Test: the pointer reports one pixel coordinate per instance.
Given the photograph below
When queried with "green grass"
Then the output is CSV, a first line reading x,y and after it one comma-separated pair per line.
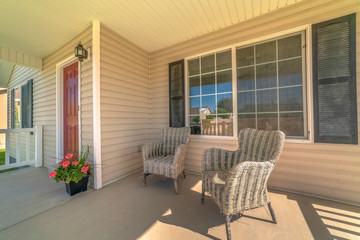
x,y
2,161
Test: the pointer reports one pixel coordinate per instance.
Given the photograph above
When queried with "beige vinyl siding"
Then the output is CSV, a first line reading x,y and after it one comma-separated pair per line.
x,y
124,88
328,170
44,96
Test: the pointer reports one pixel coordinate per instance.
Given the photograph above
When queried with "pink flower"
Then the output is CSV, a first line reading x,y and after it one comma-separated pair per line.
x,y
84,169
62,161
75,163
69,156
87,164
52,174
65,164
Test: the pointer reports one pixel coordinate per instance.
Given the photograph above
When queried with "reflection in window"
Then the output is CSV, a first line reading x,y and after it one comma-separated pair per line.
x,y
270,86
17,108
210,94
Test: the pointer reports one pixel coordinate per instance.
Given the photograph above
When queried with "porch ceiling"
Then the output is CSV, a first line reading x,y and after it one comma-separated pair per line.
x,y
40,27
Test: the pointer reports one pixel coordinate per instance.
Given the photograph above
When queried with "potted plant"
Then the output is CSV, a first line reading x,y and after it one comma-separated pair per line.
x,y
75,173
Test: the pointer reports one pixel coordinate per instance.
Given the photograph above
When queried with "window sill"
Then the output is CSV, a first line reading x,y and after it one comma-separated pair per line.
x,y
231,138
209,137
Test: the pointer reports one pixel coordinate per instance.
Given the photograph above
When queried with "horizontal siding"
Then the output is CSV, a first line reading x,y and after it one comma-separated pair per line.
x,y
124,104
328,170
44,96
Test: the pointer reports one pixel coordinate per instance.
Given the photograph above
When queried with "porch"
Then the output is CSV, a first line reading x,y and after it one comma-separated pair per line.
x,y
128,210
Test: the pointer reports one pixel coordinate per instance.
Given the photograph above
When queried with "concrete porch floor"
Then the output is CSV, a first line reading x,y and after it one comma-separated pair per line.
x,y
128,210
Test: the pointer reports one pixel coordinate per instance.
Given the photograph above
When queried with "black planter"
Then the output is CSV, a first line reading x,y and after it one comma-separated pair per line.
x,y
73,188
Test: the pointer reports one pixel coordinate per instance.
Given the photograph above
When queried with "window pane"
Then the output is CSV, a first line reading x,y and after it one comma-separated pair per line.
x,y
224,103
225,125
289,47
266,76
223,60
246,121
208,64
224,81
17,108
267,100
208,84
265,52
194,84
195,125
292,124
290,72
208,125
245,56
246,102
290,99
194,105
267,122
245,79
194,67
208,104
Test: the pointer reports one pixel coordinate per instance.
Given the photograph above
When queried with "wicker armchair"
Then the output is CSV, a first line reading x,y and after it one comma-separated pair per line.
x,y
237,180
166,158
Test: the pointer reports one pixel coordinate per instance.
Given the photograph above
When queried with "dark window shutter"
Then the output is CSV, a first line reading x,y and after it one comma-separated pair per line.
x,y
12,107
26,105
334,81
176,94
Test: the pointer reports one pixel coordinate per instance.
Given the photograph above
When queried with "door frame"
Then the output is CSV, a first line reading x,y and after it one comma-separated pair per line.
x,y
59,105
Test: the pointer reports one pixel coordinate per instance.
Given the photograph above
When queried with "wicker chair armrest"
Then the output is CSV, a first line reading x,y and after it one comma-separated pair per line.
x,y
216,159
151,150
247,177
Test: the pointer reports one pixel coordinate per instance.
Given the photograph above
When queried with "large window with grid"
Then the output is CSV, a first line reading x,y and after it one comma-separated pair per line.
x,y
271,86
211,94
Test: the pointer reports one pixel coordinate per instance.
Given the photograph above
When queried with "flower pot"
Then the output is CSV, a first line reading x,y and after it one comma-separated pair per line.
x,y
73,188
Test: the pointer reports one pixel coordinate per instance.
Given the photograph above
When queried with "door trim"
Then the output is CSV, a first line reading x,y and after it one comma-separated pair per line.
x,y
59,105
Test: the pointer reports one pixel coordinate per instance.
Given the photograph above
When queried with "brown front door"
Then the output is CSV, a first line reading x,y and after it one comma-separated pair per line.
x,y
71,121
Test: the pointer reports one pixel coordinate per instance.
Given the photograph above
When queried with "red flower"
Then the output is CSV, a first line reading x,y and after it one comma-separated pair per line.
x,y
62,161
75,163
84,169
52,174
87,164
69,156
65,164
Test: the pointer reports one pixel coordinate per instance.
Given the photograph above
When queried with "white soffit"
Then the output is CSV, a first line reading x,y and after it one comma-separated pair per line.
x,y
40,27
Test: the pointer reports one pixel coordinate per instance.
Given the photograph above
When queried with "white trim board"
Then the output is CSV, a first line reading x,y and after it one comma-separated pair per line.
x,y
96,104
59,105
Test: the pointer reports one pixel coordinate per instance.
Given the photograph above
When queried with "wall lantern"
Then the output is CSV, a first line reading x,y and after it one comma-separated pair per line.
x,y
80,52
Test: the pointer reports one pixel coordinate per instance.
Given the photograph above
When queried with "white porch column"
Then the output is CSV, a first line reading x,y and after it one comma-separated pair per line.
x,y
96,103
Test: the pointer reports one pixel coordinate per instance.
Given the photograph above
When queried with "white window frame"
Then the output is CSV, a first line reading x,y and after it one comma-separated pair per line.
x,y
20,87
307,94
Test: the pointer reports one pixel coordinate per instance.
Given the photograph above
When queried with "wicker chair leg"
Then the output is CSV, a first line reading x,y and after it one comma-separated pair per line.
x,y
184,174
203,195
175,185
272,213
227,225
145,175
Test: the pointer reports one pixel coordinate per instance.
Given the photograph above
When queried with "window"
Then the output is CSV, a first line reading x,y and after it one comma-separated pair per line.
x,y
21,106
17,108
271,86
210,94
265,85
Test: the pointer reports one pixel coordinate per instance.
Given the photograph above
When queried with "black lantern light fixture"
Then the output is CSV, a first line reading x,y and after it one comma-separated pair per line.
x,y
80,52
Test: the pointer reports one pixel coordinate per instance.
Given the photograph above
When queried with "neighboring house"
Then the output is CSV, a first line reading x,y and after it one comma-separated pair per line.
x,y
273,69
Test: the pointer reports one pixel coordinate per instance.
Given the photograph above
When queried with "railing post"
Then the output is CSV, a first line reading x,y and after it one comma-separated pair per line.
x,y
38,145
7,148
18,147
27,146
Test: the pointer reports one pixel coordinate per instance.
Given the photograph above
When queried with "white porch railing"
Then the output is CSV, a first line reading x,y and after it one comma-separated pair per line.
x,y
23,146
